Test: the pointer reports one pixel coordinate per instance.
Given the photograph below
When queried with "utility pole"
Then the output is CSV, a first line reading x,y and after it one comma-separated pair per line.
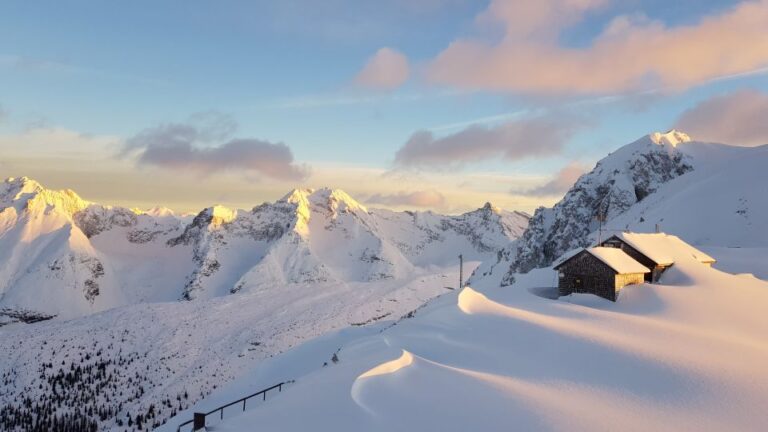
x,y
461,271
602,217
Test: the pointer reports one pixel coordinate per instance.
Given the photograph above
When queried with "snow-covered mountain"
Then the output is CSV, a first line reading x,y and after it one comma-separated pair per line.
x,y
62,255
317,265
667,179
262,281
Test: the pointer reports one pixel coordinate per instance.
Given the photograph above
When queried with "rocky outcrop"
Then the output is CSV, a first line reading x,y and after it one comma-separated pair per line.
x,y
617,182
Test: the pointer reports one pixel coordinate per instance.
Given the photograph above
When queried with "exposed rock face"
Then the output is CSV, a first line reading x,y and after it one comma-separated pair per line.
x,y
617,182
487,225
96,219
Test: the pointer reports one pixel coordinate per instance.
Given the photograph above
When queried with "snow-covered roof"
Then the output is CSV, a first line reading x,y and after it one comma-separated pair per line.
x,y
618,260
663,248
615,258
566,256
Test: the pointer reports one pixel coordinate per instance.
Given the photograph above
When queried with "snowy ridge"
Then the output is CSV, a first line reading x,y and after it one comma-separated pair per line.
x,y
628,179
40,246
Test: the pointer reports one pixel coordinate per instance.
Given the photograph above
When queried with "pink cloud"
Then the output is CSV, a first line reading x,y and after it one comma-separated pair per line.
x,y
387,69
513,140
560,183
201,146
739,118
631,53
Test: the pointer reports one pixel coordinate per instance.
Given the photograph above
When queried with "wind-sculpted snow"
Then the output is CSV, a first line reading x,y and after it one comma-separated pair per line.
x,y
358,390
617,182
687,353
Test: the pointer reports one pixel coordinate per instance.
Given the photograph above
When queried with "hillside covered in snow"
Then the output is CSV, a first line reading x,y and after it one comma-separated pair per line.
x,y
687,353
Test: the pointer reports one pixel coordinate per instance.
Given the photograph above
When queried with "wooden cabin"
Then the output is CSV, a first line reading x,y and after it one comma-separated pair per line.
x,y
602,271
657,251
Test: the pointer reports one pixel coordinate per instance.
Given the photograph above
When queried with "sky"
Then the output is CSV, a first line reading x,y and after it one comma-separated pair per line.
x,y
409,104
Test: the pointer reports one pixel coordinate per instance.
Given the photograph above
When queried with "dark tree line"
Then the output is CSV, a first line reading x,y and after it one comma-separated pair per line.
x,y
87,394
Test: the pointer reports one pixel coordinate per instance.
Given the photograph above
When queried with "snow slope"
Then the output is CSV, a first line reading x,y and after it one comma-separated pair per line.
x,y
722,204
155,359
685,354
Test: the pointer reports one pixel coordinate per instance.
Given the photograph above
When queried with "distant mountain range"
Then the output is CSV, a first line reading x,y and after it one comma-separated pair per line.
x,y
61,255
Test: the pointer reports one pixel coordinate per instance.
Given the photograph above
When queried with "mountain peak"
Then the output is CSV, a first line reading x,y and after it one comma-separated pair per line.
x,y
30,193
220,215
492,208
333,198
672,137
157,211
18,185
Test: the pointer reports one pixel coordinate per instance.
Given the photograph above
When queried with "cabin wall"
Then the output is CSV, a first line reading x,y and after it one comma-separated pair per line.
x,y
623,280
586,274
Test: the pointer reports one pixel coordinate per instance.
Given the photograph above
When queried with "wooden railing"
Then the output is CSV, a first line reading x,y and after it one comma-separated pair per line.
x,y
198,420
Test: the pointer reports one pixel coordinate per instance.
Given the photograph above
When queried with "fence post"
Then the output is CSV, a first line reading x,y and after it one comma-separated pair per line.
x,y
198,422
244,404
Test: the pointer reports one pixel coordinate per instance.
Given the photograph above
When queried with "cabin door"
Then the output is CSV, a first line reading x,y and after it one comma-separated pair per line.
x,y
578,284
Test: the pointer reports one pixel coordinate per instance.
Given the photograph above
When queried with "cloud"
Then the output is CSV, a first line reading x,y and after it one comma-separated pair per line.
x,y
739,118
513,140
195,146
53,142
28,64
559,184
387,69
424,198
631,53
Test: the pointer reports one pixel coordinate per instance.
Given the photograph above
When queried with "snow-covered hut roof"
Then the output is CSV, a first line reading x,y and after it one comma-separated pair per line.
x,y
618,260
663,248
615,258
